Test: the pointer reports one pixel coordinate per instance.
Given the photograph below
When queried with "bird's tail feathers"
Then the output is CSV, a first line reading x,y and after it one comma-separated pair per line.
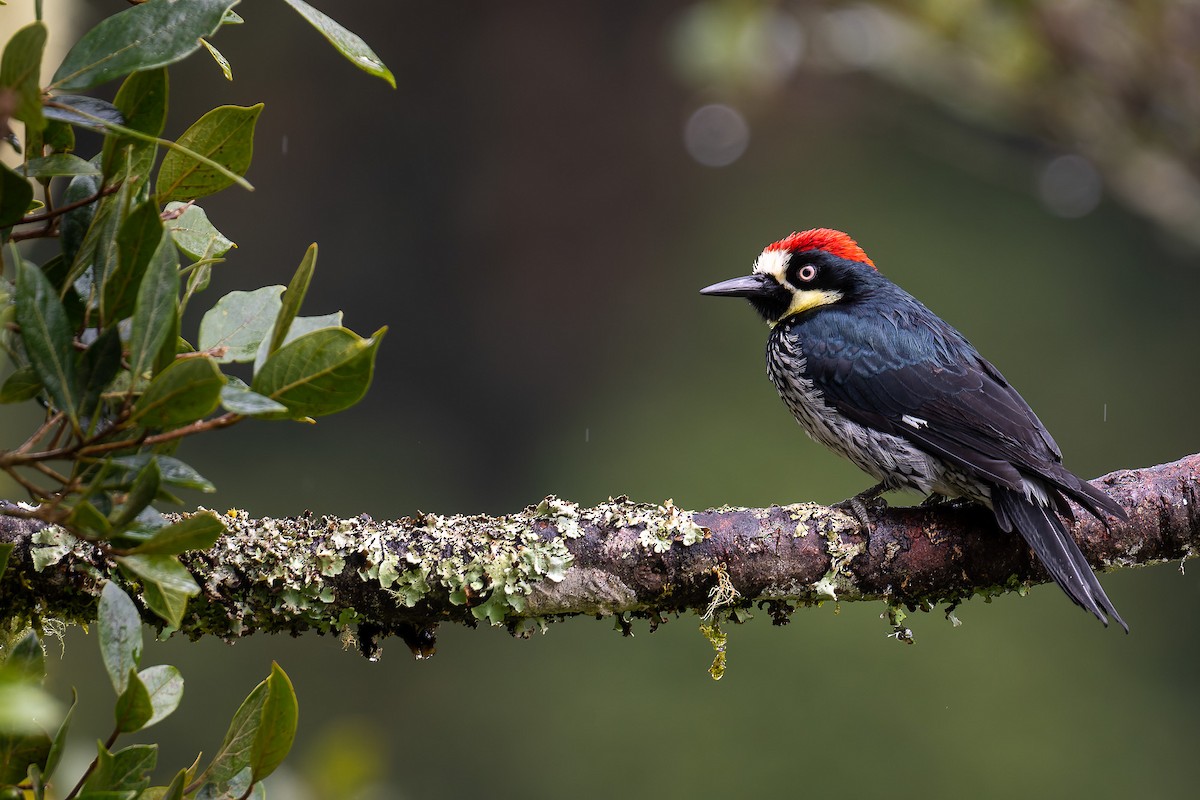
x,y
1097,503
1055,549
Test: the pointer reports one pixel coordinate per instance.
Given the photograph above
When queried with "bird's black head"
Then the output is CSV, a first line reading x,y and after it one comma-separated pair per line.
x,y
805,271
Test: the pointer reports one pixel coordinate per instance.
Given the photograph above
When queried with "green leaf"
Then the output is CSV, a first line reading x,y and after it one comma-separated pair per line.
x,y
153,34
172,344
77,221
239,322
166,584
19,750
225,135
15,196
173,471
154,311
164,685
172,792
20,69
20,386
222,62
259,736
60,740
88,520
97,367
293,297
195,235
346,43
133,709
321,372
120,634
59,165
277,730
27,659
6,549
98,249
83,111
299,327
142,100
47,336
187,390
141,494
199,531
139,238
126,770
241,400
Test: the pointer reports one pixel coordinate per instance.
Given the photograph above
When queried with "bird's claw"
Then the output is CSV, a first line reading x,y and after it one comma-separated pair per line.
x,y
859,505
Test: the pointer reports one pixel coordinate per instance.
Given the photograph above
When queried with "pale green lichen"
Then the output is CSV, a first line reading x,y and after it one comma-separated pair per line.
x,y
661,525
51,545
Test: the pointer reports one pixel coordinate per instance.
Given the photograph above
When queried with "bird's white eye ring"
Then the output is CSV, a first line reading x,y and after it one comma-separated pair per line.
x,y
807,273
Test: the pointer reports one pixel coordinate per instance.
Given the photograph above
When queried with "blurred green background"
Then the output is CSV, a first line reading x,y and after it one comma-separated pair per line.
x,y
532,212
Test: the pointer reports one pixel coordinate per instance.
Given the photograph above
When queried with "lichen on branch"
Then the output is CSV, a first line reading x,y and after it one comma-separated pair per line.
x,y
368,578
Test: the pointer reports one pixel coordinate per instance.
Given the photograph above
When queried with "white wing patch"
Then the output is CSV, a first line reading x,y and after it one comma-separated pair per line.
x,y
914,422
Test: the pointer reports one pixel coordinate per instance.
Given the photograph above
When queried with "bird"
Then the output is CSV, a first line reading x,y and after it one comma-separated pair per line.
x,y
871,373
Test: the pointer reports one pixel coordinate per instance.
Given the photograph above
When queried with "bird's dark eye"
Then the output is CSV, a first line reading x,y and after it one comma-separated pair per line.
x,y
807,273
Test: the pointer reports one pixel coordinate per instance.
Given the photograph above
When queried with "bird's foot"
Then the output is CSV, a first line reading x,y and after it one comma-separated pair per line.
x,y
859,505
935,500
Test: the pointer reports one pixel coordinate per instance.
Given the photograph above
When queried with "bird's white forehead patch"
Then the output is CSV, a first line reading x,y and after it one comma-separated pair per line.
x,y
773,263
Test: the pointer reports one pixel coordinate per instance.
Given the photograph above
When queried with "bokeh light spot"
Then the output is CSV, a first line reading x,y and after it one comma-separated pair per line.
x,y
1069,186
716,135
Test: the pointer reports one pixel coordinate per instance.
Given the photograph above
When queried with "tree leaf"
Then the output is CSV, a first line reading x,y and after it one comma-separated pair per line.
x,y
277,730
346,43
222,62
26,659
88,520
187,390
98,250
59,165
142,99
299,327
173,471
293,298
126,770
165,687
83,111
47,336
321,372
149,35
20,69
20,386
19,750
225,135
166,584
240,321
97,367
240,400
199,531
133,709
15,196
77,221
120,634
141,494
154,310
60,740
258,738
140,236
195,235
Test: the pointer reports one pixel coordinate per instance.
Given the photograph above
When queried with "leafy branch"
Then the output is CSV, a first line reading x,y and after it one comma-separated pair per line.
x,y
94,338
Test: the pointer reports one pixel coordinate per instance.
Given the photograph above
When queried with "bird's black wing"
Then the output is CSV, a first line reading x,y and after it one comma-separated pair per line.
x,y
905,372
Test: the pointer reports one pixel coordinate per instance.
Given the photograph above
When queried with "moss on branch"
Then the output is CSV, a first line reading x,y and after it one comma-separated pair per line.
x,y
369,578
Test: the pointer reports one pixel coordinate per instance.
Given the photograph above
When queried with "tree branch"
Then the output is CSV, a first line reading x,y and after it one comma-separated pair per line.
x,y
554,560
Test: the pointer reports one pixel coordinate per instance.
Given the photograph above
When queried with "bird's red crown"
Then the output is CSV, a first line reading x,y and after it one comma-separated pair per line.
x,y
827,239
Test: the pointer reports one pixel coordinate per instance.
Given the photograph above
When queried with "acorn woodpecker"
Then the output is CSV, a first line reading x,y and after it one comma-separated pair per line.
x,y
874,375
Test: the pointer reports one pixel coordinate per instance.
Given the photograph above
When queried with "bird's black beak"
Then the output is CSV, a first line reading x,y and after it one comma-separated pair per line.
x,y
756,285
